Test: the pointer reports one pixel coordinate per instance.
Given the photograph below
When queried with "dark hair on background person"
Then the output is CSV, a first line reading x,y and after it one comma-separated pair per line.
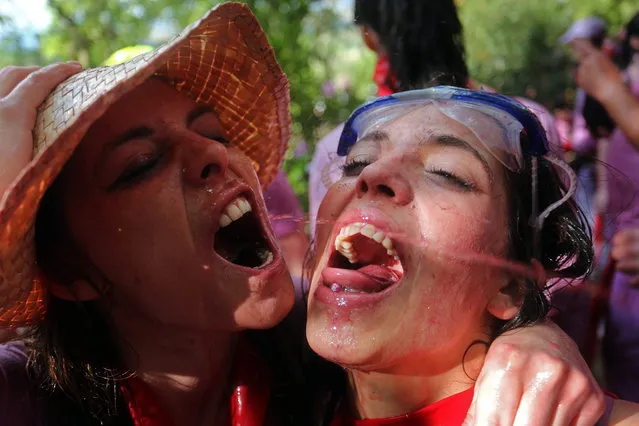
x,y
423,40
627,51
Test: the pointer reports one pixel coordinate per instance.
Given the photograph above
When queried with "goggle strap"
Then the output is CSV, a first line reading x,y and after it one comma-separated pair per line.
x,y
535,209
572,188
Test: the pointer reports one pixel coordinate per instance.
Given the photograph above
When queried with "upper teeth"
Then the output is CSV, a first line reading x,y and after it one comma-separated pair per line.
x,y
345,247
235,210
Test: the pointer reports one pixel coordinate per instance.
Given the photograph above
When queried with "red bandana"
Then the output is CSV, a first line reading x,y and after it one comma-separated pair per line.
x,y
449,411
384,78
248,402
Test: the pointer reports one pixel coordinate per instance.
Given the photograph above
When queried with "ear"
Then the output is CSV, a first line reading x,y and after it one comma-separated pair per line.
x,y
371,39
79,291
506,302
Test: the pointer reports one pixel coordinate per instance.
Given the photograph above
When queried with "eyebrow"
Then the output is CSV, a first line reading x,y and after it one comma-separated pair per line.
x,y
454,141
197,112
145,131
135,133
376,136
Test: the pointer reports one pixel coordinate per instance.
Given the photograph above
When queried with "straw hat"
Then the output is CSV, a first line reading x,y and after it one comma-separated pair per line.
x,y
224,59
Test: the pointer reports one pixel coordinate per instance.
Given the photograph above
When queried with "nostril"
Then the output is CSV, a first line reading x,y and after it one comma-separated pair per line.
x,y
386,190
209,169
363,187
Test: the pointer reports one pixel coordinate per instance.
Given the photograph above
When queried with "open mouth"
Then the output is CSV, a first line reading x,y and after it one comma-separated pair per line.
x,y
241,238
364,261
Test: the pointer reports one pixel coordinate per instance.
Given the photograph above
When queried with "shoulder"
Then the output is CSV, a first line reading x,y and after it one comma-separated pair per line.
x,y
17,393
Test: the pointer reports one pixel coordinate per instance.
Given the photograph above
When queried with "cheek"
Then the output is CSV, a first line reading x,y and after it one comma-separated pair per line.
x,y
470,226
121,234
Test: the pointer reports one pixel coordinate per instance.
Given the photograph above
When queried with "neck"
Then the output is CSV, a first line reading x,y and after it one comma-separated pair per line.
x,y
394,392
188,370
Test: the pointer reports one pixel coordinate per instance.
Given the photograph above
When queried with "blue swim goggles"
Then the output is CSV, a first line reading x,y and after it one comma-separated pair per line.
x,y
496,120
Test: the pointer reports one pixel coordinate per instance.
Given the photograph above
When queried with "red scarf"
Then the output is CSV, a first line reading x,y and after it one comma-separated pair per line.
x,y
384,77
449,411
248,403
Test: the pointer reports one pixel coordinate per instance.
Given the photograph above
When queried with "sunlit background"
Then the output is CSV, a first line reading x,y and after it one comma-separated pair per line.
x,y
511,46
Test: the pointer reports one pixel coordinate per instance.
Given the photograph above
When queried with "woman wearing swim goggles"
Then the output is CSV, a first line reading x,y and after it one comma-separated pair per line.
x,y
449,217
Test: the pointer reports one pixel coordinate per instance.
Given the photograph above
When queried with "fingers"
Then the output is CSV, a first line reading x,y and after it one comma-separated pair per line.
x,y
11,76
625,243
539,400
625,250
592,410
583,48
499,387
580,401
34,87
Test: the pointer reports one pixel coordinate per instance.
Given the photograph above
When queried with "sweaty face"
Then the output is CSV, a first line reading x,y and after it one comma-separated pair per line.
x,y
400,275
161,209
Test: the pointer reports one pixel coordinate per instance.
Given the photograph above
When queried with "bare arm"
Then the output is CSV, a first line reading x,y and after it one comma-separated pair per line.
x,y
601,79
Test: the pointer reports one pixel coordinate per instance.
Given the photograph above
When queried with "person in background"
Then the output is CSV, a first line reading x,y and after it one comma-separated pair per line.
x,y
590,121
598,76
288,223
619,91
419,43
562,112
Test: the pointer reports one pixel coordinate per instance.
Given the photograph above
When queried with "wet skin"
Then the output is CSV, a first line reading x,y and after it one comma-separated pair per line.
x,y
142,198
431,186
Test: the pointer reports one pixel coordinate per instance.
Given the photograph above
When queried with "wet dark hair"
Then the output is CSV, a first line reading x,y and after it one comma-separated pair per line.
x,y
423,39
627,52
565,238
565,249
74,356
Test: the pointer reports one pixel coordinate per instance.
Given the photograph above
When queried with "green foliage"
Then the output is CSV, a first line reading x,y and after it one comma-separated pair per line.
x,y
513,45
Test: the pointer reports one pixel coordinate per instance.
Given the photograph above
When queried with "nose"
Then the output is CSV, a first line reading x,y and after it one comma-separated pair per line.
x,y
204,160
383,181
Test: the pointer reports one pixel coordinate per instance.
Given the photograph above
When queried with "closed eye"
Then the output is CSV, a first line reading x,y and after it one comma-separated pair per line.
x,y
136,171
454,179
354,167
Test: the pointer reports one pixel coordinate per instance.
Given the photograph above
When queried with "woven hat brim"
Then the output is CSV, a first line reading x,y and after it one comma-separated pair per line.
x,y
223,60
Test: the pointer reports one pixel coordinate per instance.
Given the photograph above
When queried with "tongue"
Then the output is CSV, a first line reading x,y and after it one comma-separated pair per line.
x,y
379,273
368,279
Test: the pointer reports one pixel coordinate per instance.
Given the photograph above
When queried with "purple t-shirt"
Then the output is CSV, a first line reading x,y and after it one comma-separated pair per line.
x,y
18,404
621,343
283,206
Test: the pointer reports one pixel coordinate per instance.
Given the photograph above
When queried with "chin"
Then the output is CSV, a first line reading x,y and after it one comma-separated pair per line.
x,y
340,345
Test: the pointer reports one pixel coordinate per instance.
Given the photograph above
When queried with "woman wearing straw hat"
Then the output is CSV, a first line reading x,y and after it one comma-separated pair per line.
x,y
165,188
146,175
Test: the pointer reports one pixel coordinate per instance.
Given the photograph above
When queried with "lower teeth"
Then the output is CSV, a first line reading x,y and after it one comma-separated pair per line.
x,y
266,256
336,288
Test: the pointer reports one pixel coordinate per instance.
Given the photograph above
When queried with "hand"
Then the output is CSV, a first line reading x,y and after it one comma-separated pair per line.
x,y
22,90
596,73
625,250
535,376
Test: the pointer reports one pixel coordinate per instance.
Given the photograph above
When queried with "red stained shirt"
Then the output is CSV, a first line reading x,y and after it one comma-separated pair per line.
x,y
248,402
449,411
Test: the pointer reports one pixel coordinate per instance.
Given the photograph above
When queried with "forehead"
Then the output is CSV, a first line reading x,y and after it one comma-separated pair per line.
x,y
419,124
